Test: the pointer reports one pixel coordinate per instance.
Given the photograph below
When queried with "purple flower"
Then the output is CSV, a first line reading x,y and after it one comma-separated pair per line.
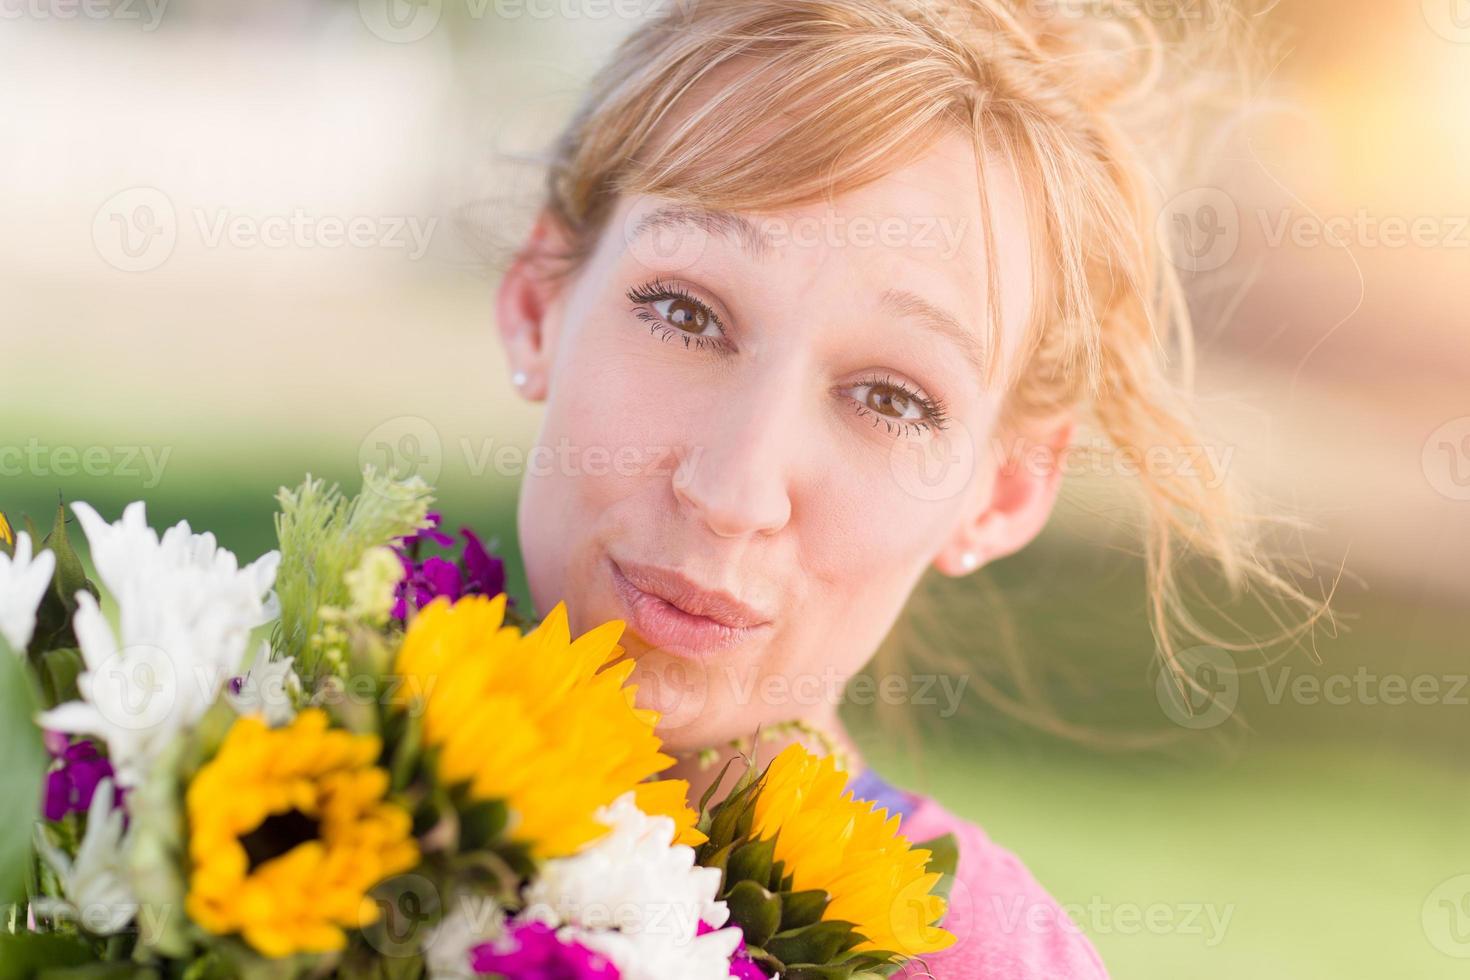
x,y
474,572
432,533
70,788
531,951
484,573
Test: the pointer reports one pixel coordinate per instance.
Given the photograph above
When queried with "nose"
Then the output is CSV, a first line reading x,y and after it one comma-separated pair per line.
x,y
736,476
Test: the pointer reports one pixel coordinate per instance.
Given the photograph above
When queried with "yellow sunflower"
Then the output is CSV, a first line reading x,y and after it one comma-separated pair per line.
x,y
288,830
670,798
541,722
852,851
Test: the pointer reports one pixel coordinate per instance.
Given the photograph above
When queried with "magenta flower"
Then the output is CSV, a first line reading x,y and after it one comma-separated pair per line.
x,y
427,577
69,789
531,951
742,967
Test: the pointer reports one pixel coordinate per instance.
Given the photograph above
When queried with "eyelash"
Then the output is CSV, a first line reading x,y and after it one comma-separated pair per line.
x,y
936,415
656,290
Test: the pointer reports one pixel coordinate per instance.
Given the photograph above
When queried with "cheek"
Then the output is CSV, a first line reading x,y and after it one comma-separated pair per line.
x,y
880,508
603,460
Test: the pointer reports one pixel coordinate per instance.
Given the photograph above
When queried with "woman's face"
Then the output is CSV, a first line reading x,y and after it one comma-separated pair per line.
x,y
760,429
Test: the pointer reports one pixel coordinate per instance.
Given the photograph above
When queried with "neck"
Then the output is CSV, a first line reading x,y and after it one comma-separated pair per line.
x,y
822,737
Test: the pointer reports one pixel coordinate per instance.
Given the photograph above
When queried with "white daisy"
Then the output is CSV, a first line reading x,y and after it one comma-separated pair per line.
x,y
98,892
637,898
23,581
186,609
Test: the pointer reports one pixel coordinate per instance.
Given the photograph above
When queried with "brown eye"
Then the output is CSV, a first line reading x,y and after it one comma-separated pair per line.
x,y
888,401
896,405
684,314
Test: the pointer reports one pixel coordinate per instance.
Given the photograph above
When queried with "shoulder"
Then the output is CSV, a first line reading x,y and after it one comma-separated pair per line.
x,y
1007,926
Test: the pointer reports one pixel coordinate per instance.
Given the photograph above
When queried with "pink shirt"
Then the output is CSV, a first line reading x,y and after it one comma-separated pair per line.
x,y
1008,927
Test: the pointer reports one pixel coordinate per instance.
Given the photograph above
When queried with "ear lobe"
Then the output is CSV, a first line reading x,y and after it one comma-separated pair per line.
x,y
523,308
1022,495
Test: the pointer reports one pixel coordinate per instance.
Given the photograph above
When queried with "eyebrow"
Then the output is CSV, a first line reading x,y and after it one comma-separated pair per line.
x,y
756,244
726,224
902,302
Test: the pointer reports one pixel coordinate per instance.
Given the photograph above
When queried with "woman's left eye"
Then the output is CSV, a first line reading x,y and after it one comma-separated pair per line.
x,y
672,313
896,406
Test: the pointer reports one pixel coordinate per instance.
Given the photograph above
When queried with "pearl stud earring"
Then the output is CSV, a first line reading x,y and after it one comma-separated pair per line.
x,y
969,561
519,379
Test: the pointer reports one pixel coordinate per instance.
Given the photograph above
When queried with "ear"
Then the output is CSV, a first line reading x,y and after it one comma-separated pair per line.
x,y
524,305
1018,500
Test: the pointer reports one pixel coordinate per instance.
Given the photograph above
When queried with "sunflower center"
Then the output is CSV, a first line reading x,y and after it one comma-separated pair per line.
x,y
277,834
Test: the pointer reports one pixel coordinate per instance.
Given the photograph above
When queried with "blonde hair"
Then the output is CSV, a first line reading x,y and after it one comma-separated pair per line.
x,y
759,105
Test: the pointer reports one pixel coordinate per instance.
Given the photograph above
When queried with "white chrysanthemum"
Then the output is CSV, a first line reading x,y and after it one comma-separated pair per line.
x,y
98,892
23,581
186,609
637,898
471,920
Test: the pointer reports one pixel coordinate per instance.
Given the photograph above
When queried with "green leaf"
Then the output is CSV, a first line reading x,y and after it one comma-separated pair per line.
x,y
59,669
756,910
835,971
801,909
713,787
752,862
21,776
944,853
53,617
944,858
27,954
409,731
716,859
480,824
70,577
816,944
738,806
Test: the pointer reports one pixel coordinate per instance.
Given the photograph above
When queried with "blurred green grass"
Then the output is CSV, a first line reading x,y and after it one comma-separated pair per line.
x,y
1317,862
1320,829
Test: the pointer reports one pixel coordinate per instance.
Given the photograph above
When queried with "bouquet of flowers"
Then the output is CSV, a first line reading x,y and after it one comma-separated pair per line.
x,y
353,757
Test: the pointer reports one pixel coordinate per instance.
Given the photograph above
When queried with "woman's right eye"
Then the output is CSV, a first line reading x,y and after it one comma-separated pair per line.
x,y
673,313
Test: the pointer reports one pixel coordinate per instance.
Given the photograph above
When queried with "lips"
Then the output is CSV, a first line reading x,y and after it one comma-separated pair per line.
x,y
671,611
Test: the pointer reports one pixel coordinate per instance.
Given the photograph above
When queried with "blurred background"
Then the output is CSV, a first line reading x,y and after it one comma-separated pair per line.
x,y
244,241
